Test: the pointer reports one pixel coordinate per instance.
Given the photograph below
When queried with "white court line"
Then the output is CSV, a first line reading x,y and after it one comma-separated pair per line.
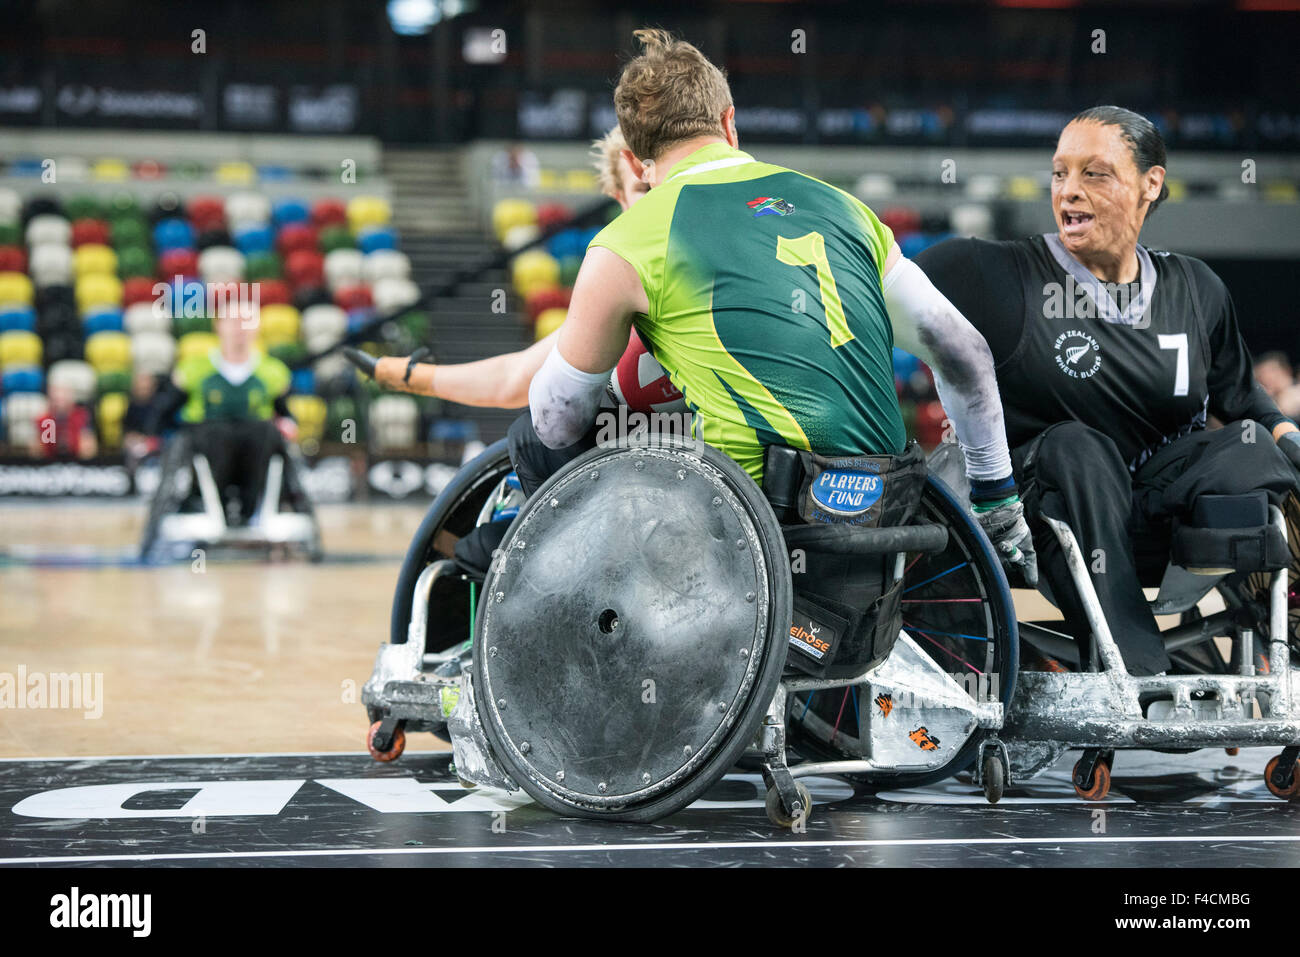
x,y
201,757
692,846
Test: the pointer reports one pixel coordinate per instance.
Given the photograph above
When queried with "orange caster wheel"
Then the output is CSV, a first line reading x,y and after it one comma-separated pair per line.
x,y
1098,787
396,746
1288,793
1232,752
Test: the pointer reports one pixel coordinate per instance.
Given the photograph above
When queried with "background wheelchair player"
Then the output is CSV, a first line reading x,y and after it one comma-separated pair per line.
x,y
229,407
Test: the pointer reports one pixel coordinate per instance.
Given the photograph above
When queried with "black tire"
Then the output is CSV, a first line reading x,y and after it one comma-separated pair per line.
x,y
969,552
760,695
455,510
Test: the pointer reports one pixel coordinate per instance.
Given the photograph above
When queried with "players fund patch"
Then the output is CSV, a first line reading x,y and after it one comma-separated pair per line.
x,y
847,492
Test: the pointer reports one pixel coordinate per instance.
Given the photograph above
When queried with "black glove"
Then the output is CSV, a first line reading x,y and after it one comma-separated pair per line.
x,y
1001,514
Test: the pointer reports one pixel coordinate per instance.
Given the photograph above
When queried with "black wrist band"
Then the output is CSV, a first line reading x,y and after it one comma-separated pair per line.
x,y
416,356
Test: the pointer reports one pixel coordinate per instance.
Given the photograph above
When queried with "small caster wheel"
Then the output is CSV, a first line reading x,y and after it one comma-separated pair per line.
x,y
776,813
995,779
1290,793
1232,752
1098,788
394,752
467,785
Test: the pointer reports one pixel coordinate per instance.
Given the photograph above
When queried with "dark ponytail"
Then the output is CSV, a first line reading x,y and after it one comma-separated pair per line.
x,y
1145,143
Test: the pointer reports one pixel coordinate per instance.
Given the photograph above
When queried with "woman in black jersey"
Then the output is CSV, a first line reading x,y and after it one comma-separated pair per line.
x,y
1110,357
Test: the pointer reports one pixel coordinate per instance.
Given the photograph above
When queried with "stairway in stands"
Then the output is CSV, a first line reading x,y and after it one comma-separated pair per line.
x,y
440,232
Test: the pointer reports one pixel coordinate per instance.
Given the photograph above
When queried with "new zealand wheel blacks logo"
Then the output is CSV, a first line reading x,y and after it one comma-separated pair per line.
x,y
1077,354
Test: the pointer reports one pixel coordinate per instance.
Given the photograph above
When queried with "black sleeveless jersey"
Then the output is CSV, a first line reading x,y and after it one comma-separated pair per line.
x,y
1142,363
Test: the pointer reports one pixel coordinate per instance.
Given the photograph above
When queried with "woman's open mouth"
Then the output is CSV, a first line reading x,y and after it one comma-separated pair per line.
x,y
1075,223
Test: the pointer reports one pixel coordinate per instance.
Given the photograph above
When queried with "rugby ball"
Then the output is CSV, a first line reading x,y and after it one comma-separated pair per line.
x,y
640,382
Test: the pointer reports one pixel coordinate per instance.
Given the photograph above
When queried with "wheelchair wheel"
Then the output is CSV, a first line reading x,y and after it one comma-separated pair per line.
x,y
1256,586
452,515
633,632
169,496
957,608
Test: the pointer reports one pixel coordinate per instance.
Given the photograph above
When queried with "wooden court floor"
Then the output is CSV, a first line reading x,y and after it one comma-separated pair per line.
x,y
238,657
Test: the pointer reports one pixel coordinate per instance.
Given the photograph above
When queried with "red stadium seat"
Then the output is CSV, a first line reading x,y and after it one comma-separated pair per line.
x,y
552,297
353,297
930,419
149,169
207,212
90,231
274,292
138,289
304,267
12,259
296,236
329,212
178,262
901,220
552,214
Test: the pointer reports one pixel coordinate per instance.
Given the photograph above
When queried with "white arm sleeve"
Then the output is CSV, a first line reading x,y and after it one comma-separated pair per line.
x,y
564,400
927,325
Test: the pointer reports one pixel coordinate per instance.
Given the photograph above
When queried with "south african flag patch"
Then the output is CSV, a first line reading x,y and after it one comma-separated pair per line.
x,y
770,206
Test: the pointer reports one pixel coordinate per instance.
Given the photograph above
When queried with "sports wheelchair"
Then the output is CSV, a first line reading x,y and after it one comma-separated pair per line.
x,y
187,509
632,640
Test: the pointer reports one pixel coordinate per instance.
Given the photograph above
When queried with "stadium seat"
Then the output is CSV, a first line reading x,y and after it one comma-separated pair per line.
x,y
235,172
304,267
141,318
183,326
178,261
148,169
264,265
534,270
98,289
309,411
367,211
173,233
20,412
167,205
348,298
335,237
295,236
548,322
322,326
109,413
569,267
329,212
111,170
20,348
128,231
384,264
22,378
508,213
390,295
207,212
138,289
550,215
15,289
134,261
310,295
71,169
273,291
122,204
393,421
11,206
302,382
51,264
217,236
94,259
48,228
344,267
374,238
546,297
252,239
153,352
75,375
17,318
247,209
221,264
286,211
279,325
88,231
109,351
517,237
195,344
103,319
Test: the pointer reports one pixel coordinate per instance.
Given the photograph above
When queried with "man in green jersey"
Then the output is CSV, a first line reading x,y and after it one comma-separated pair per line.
x,y
233,398
772,299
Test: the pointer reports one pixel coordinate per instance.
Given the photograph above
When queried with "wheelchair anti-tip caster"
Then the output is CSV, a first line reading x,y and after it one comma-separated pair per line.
x,y
1275,777
777,813
994,777
386,740
1091,775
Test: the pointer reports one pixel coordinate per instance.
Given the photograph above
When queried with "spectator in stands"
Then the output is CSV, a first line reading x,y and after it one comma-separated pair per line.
x,y
1273,371
66,430
516,165
139,411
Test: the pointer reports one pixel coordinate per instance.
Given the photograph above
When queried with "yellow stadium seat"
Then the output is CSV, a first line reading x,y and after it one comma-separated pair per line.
x,y
1280,192
368,211
548,179
1177,190
109,352
111,410
279,324
110,169
580,180
309,412
235,172
509,213
533,270
1023,187
195,344
98,290
548,320
19,348
15,289
92,259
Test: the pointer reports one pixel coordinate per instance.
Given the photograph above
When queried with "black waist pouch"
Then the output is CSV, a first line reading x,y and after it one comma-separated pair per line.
x,y
847,608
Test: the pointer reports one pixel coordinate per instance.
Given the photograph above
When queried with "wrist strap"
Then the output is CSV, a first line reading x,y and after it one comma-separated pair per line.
x,y
416,356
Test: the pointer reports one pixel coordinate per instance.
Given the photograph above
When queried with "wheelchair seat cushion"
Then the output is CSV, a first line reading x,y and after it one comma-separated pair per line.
x,y
1229,533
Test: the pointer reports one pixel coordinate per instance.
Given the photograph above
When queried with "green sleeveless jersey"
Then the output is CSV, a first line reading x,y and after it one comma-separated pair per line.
x,y
213,398
766,306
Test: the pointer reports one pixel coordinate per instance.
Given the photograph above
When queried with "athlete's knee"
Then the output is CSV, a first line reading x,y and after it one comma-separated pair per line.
x,y
1071,452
